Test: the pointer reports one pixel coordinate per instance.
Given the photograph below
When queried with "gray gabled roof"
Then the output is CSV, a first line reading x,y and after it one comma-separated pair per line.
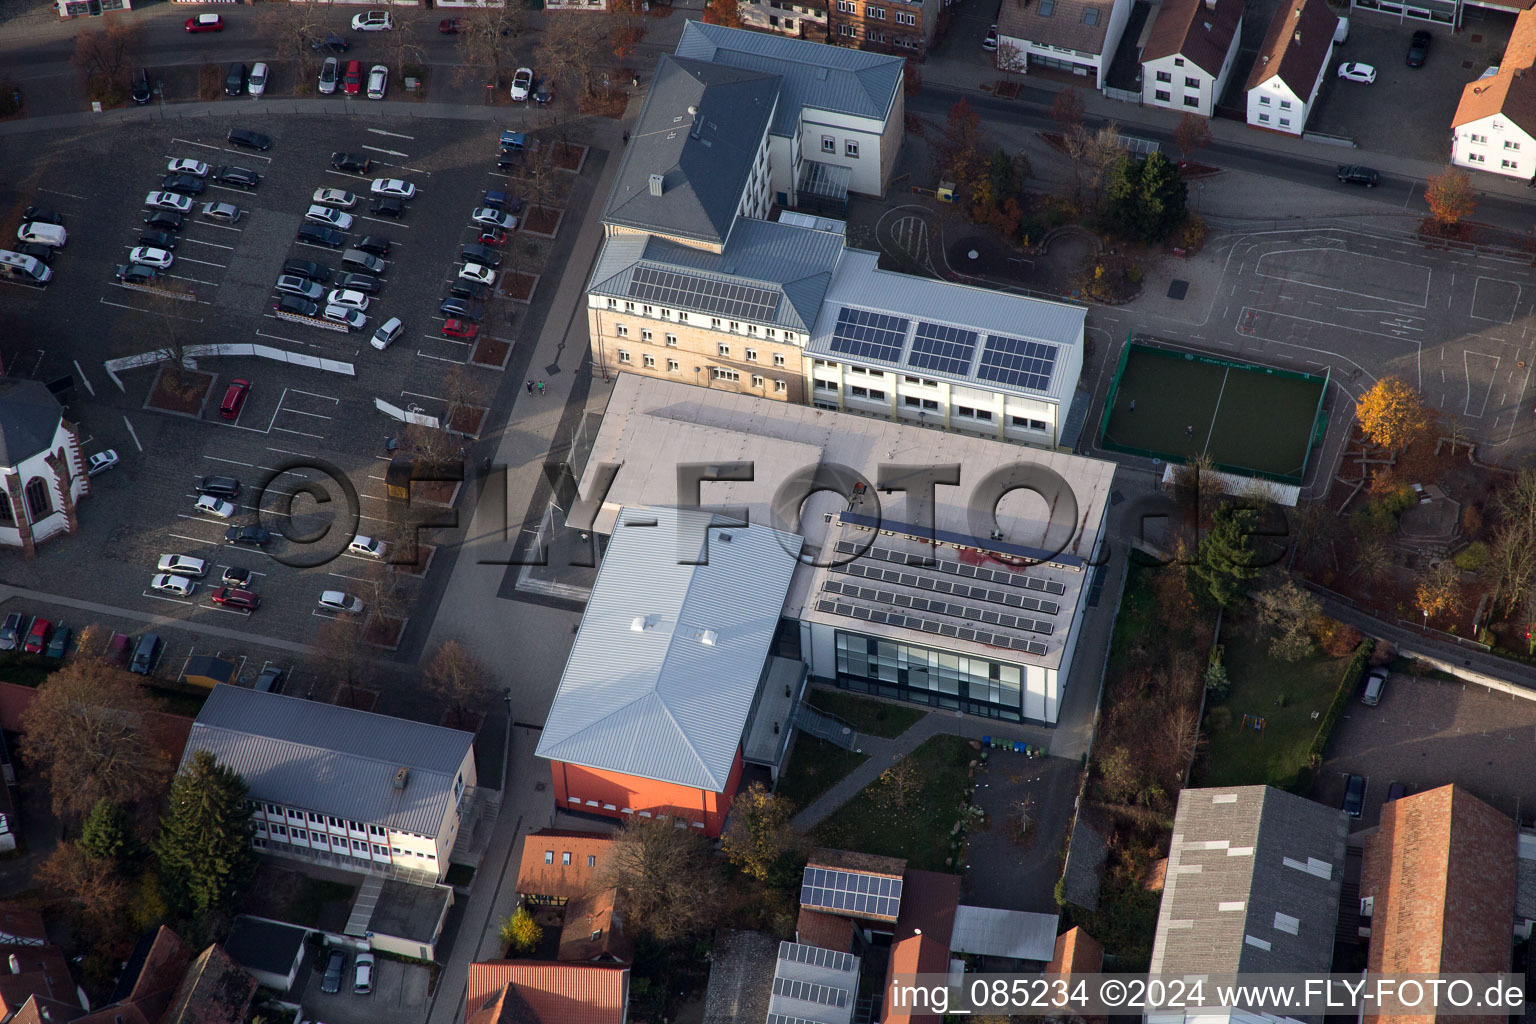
x,y
700,129
333,760
832,78
661,680
29,418
1253,884
794,262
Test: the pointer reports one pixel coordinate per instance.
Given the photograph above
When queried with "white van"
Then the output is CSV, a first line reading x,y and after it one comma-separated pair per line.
x,y
23,269
1341,34
46,234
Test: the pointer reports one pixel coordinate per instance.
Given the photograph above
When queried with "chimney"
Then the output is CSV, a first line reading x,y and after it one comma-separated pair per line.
x,y
1207,25
656,184
401,775
1297,37
1210,5
15,964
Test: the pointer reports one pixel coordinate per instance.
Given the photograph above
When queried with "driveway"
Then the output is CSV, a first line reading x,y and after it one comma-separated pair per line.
x,y
1004,871
399,995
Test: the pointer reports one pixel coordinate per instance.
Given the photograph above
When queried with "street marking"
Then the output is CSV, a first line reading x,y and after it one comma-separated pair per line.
x,y
205,263
191,540
204,145
232,462
56,192
381,131
355,579
194,280
391,152
84,379
285,430
301,412
376,220
216,245
132,434
151,312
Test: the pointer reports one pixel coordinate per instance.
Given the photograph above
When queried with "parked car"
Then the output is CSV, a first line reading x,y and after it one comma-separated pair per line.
x,y
141,91
182,184
205,23
478,273
989,41
1354,71
58,646
481,254
450,26
365,283
239,177
37,636
369,546
541,91
362,975
352,318
144,653
218,486
348,298
117,650
234,82
336,965
155,239
504,201
307,268
372,21
1418,49
393,187
165,220
186,165
133,273
168,201
494,217
329,72
522,84
378,81
338,197
462,329
257,83
150,256
314,234
338,601
270,680
249,139
374,245
10,632
386,333
462,309
42,253
351,163
234,576
234,398
178,585
329,215
1396,791
1354,174
332,43
462,289
1375,683
209,505
296,305
101,462
230,597
1354,796
292,284
387,206
182,565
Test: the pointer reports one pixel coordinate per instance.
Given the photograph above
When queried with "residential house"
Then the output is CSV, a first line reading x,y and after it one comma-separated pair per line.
x,y
1437,890
1290,66
1076,36
562,871
902,27
215,990
34,973
807,20
344,788
537,992
1494,128
1189,54
1252,886
658,707
42,470
1076,953
148,982
921,941
71,9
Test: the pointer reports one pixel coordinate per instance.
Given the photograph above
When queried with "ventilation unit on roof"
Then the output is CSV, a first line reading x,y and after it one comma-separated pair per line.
x,y
401,775
642,623
725,538
657,181
708,638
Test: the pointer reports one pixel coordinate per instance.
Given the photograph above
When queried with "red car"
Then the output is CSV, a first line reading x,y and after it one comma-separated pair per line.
x,y
449,26
492,236
37,639
234,398
205,23
232,598
460,329
352,81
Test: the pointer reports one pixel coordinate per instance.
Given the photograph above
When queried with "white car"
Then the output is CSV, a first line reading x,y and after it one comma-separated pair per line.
x,y
101,462
354,319
227,212
372,21
362,545
182,165
149,256
335,197
1354,71
475,272
178,585
336,601
522,82
182,565
257,83
388,331
393,187
378,81
212,506
489,216
328,216
168,201
330,71
347,297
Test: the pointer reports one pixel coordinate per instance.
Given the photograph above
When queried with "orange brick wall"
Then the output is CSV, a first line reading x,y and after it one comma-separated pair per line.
x,y
614,791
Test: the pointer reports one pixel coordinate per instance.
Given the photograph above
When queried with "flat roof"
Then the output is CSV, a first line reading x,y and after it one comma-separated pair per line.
x,y
264,945
408,911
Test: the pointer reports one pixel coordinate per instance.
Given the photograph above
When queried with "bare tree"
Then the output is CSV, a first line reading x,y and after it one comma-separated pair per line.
x,y
901,781
1511,565
92,887
462,390
457,679
668,879
339,654
1373,562
487,36
292,27
537,176
403,39
108,52
1191,133
573,44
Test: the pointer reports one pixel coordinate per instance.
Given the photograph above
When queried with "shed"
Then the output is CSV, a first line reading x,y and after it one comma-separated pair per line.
x,y
985,931
207,671
270,951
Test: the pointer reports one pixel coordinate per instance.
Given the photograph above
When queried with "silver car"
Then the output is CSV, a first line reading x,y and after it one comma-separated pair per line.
x,y
329,72
226,212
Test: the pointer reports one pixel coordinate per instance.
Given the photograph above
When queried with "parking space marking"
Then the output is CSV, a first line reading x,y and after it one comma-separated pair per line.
x,y
194,280
344,576
204,145
56,192
221,227
133,434
441,359
243,152
213,606
216,245
229,188
312,245
205,263
316,415
430,398
191,540
285,451
376,220
300,433
397,135
451,341
391,152
151,312
233,462
160,597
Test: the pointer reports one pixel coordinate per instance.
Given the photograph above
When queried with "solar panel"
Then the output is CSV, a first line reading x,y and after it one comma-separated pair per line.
x,y
848,891
816,956
869,335
727,298
784,1018
942,348
1017,361
810,992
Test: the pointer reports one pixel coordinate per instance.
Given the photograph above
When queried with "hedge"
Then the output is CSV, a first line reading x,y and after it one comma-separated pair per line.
x,y
1350,678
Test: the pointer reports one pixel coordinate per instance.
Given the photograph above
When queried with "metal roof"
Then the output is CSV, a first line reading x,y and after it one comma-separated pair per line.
x,y
29,418
792,261
661,680
813,985
860,286
833,78
332,760
985,931
700,132
1253,884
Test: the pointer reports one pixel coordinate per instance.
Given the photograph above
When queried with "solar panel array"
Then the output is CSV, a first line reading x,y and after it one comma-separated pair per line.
x,y
963,612
784,1018
1017,361
980,572
942,348
817,957
810,992
908,579
869,335
980,636
850,892
670,288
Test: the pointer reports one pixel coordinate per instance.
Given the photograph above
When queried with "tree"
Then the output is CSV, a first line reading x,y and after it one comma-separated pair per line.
x,y
89,884
1392,414
1067,108
722,12
520,932
1118,775
963,157
457,679
1438,590
1225,557
1516,503
402,40
485,42
1290,615
1145,198
1511,565
901,781
1449,197
667,878
291,28
912,78
106,834
88,737
570,48
1010,58
1373,562
339,653
1093,153
107,54
204,849
1193,132
758,837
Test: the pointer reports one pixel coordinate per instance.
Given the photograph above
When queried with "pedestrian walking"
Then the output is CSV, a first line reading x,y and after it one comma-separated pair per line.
x,y
1133,405
626,136
1190,430
541,387
530,387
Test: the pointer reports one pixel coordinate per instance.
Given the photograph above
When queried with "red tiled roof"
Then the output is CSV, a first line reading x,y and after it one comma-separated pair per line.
x,y
1513,90
536,878
814,928
215,990
1299,40
1196,30
554,993
1441,873
127,1013
589,915
1077,952
44,971
36,1010
920,944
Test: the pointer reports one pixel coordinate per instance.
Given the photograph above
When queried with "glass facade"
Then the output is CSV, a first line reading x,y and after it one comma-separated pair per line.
x,y
888,668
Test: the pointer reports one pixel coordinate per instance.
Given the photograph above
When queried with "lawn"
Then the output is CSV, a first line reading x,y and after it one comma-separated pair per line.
x,y
286,894
871,717
920,832
1285,694
815,767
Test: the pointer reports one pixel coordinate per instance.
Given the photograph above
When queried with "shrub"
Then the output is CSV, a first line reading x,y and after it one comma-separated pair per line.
x,y
1217,683
210,83
1338,638
1472,557
1195,230
1400,500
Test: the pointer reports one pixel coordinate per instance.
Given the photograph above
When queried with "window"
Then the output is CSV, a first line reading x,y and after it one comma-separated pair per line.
x,y
904,18
300,836
666,314
1164,95
1164,76
382,851
1511,145
723,349
629,307
721,373
1047,8
647,311
5,509
714,322
648,361
1091,16
751,328
1191,82
735,327
778,359
874,37
791,336
1509,165
591,860
621,330
851,149
549,856
826,385
878,13
770,333
847,7
1178,62
1191,101
565,858
752,355
671,340
1479,139
296,815
926,404
1285,104
280,830
757,380
1264,118
38,502
1263,101
842,30
671,365
1039,425
645,334
1475,158
780,387
828,143
623,356
789,24
1285,122
613,303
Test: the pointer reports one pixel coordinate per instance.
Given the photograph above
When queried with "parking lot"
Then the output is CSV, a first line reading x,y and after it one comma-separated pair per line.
x,y
1429,732
398,988
296,420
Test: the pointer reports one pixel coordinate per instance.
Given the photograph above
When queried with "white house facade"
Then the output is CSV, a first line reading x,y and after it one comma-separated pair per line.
x,y
1495,143
1189,54
1288,73
42,466
1078,36
1494,128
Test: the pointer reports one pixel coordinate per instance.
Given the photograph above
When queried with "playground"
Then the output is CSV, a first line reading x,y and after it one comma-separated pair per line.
x,y
1248,419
